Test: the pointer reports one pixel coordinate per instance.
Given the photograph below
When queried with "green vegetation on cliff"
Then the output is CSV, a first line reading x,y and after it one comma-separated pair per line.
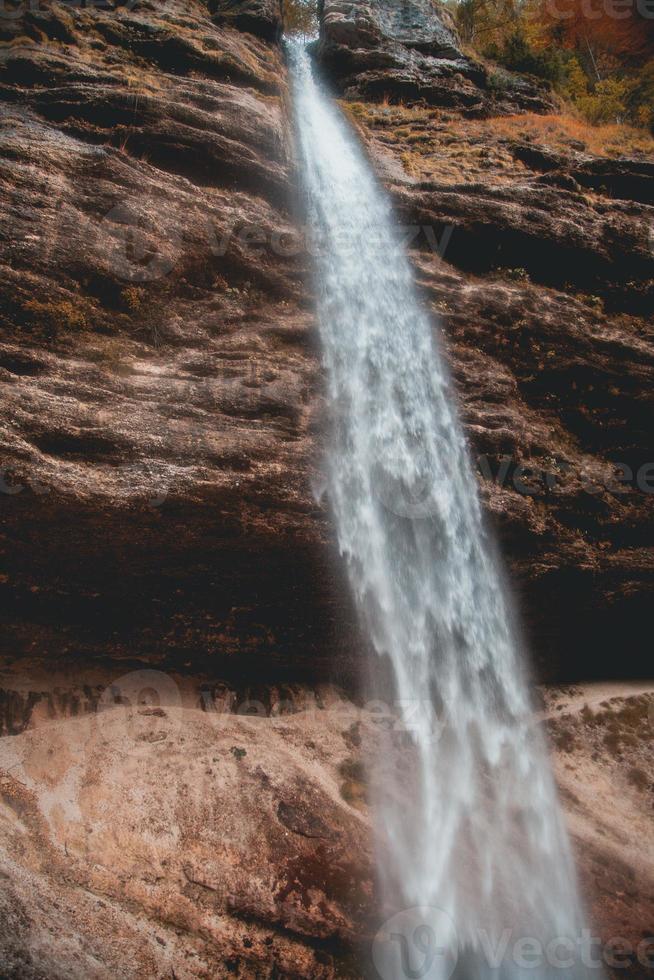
x,y
599,55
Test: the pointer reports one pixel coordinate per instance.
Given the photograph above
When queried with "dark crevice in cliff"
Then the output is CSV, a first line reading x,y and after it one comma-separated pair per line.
x,y
80,447
170,584
627,180
22,364
621,280
170,52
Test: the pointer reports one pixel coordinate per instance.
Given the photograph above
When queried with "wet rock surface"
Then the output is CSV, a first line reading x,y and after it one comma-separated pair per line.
x,y
543,290
160,447
158,373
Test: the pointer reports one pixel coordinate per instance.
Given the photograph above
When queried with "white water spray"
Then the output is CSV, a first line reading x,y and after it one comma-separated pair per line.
x,y
479,840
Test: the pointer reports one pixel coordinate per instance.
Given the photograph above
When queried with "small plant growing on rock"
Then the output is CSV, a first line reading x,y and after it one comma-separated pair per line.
x,y
564,740
409,163
516,275
352,769
133,298
353,789
613,742
58,315
498,83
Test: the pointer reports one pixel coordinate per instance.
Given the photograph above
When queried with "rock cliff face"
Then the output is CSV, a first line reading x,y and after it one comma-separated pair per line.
x,y
158,373
161,401
538,258
160,453
410,51
162,433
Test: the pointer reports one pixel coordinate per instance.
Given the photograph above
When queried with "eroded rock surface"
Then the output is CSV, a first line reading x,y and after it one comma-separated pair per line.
x,y
143,842
160,446
185,839
158,373
602,736
411,51
542,280
161,435
262,17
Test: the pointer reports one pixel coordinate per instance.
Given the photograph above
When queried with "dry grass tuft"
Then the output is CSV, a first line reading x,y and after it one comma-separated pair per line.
x,y
563,131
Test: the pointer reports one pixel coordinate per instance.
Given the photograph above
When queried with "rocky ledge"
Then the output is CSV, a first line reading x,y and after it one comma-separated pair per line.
x,y
184,839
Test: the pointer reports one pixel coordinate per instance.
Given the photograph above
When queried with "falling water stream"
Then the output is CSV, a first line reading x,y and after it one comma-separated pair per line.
x,y
468,826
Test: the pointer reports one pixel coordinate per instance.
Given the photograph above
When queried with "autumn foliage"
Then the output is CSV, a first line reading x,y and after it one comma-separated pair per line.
x,y
300,17
598,53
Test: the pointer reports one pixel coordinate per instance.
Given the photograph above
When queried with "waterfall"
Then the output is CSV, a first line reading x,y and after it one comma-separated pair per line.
x,y
471,849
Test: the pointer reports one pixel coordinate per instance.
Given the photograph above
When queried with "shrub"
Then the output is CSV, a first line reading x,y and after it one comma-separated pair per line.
x,y
607,102
517,54
576,82
641,97
58,315
133,298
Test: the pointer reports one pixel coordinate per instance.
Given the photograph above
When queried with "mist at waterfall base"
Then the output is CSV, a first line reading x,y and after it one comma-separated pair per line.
x,y
469,837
